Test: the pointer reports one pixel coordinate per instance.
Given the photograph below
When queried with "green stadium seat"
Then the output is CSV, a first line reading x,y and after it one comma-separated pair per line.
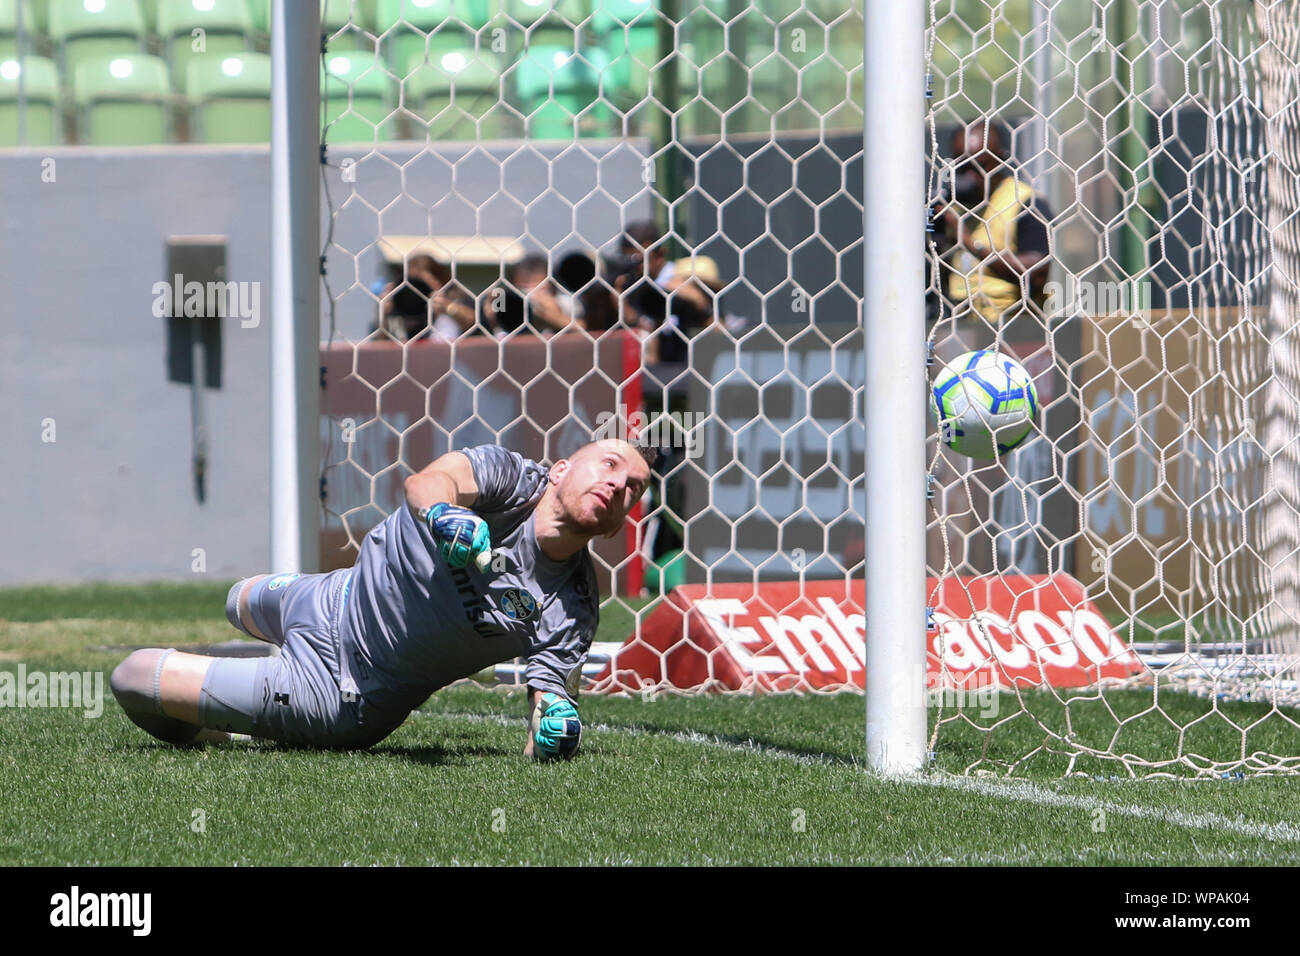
x,y
458,97
40,21
478,14
346,25
84,30
355,89
226,25
758,83
123,100
230,99
799,86
40,84
259,11
629,34
550,23
554,85
412,28
717,89
607,13
9,30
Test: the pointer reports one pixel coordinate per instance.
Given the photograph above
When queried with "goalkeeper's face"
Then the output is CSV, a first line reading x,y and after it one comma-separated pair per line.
x,y
599,485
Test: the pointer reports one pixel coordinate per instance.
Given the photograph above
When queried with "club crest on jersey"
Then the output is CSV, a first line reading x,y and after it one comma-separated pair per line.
x,y
518,605
280,580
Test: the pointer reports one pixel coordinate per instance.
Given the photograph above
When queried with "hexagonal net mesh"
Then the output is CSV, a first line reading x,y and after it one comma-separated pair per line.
x,y
542,212
1114,190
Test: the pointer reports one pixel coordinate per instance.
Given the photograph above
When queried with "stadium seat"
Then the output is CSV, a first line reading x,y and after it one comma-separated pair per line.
x,y
412,28
347,26
259,12
230,99
824,84
40,19
478,14
83,31
9,29
458,98
226,25
123,100
355,91
550,23
629,34
757,83
574,81
40,84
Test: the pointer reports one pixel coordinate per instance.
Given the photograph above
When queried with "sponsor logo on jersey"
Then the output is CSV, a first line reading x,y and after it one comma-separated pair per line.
x,y
518,605
476,606
281,580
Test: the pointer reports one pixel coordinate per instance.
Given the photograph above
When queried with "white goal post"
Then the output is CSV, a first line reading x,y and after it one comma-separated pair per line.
x,y
894,323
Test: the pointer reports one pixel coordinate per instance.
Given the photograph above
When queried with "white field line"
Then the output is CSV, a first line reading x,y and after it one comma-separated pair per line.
x,y
1029,793
1018,790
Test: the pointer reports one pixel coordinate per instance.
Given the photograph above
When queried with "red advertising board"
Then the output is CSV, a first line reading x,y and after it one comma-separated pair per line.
x,y
1008,631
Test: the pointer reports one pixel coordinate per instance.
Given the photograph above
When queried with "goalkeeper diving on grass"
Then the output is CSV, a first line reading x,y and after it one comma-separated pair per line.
x,y
487,561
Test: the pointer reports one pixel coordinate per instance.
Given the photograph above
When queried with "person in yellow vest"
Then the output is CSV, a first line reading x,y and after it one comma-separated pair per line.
x,y
998,226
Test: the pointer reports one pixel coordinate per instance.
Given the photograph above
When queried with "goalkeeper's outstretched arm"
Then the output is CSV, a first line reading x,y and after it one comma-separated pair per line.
x,y
448,480
440,497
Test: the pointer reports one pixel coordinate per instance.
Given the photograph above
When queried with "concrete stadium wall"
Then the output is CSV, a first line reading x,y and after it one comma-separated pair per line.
x,y
83,241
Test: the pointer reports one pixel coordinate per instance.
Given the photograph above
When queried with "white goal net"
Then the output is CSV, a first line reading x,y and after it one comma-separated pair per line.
x,y
540,212
1159,141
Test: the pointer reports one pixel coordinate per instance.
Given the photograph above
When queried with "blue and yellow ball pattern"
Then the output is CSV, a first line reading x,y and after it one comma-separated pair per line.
x,y
984,403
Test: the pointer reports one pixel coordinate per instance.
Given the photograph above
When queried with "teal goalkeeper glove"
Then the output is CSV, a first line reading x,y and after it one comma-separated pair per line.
x,y
462,536
556,729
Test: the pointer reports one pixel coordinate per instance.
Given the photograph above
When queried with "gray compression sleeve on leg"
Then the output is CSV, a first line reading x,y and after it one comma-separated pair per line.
x,y
230,699
137,687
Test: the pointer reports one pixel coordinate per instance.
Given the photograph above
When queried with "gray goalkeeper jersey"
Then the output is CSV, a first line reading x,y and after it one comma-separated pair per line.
x,y
412,624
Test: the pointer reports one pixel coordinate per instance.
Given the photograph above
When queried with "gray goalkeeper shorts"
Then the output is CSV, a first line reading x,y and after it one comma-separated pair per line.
x,y
294,697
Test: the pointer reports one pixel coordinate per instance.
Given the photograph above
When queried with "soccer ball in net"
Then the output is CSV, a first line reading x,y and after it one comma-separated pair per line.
x,y
984,403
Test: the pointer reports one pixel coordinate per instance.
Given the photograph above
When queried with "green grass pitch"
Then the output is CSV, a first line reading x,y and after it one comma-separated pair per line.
x,y
714,780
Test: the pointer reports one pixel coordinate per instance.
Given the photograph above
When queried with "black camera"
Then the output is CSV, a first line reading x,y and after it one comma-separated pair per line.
x,y
636,289
628,267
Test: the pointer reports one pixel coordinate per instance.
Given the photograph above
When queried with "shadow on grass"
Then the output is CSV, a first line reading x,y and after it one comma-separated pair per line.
x,y
431,755
434,755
